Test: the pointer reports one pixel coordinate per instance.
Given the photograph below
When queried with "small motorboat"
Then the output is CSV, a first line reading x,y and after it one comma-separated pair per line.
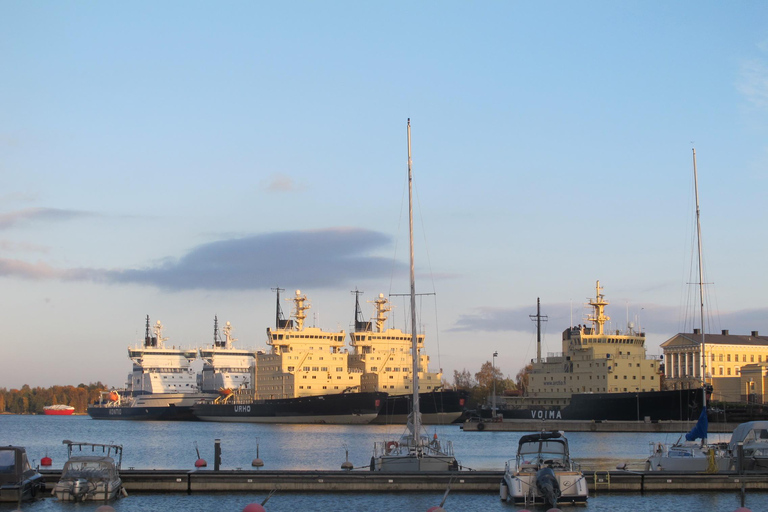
x,y
92,474
18,480
544,473
754,438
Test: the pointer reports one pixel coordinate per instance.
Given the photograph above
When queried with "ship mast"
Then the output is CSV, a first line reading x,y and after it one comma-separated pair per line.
x,y
701,285
414,343
538,318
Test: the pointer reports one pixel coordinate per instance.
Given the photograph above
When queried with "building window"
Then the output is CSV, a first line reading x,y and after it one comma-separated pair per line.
x,y
713,358
728,371
729,358
744,358
738,371
752,358
721,358
721,370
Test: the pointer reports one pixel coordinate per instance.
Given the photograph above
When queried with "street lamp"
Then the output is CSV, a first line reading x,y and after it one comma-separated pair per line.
x,y
493,376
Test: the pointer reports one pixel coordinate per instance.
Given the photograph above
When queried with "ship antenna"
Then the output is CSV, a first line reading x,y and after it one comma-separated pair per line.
x,y
278,311
146,334
701,285
216,338
538,318
359,320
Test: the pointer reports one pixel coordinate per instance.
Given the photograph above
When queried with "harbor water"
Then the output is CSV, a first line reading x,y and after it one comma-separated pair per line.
x,y
171,445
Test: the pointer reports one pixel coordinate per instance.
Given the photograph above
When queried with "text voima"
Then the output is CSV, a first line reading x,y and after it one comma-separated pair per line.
x,y
546,415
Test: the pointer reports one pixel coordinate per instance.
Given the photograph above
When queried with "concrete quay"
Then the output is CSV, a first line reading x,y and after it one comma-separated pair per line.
x,y
206,481
508,425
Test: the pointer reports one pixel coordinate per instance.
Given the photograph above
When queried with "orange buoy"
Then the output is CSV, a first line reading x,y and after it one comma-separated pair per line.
x,y
46,461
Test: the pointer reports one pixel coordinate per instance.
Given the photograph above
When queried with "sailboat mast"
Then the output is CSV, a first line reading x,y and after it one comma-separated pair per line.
x,y
701,284
414,336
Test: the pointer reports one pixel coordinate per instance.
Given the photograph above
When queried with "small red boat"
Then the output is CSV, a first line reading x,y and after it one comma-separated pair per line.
x,y
59,410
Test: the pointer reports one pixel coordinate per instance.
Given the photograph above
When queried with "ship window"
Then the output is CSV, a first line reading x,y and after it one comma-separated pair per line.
x,y
374,368
339,369
651,377
338,376
301,387
625,389
309,387
407,387
306,368
625,377
323,368
315,368
643,377
324,387
634,377
290,368
391,376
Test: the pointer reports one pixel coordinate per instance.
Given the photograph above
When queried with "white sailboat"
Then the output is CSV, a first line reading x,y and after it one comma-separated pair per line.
x,y
688,454
414,451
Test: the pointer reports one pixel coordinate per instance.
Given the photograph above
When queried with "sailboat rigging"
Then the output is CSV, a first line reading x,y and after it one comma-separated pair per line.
x,y
414,451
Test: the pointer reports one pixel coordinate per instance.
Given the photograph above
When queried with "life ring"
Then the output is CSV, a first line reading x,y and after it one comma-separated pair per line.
x,y
481,426
391,445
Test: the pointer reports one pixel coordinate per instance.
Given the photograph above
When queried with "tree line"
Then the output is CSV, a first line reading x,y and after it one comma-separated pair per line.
x,y
480,385
29,400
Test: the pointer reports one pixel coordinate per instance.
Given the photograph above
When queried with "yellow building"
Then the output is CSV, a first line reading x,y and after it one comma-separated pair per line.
x,y
730,361
594,360
303,361
384,357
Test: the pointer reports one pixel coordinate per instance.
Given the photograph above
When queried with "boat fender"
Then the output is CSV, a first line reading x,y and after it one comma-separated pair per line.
x,y
503,491
391,445
481,426
659,448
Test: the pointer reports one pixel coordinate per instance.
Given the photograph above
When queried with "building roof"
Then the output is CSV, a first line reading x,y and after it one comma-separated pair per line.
x,y
684,339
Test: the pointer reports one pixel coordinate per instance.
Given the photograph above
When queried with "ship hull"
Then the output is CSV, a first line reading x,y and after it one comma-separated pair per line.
x,y
149,407
679,405
58,412
437,408
342,409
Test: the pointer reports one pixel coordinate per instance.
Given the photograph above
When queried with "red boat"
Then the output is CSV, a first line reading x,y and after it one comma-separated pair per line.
x,y
59,410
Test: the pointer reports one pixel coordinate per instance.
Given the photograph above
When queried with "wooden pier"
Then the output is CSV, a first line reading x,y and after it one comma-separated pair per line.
x,y
489,425
206,481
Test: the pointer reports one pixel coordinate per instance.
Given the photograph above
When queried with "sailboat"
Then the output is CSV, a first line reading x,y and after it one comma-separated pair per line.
x,y
688,454
414,451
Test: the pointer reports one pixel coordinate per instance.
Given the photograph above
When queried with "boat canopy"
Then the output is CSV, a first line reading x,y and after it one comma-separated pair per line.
x,y
541,436
90,468
749,432
13,464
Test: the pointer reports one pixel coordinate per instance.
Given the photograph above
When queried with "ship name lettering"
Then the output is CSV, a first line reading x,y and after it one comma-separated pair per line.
x,y
242,408
546,415
115,412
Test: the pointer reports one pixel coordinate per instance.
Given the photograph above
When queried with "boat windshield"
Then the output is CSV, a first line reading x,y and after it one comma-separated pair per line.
x,y
758,434
544,452
7,461
88,469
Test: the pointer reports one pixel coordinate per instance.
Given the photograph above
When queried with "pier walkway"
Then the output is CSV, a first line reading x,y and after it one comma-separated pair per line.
x,y
507,425
207,481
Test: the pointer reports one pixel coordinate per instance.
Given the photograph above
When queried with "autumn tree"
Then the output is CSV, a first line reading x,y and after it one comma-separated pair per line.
x,y
463,379
522,377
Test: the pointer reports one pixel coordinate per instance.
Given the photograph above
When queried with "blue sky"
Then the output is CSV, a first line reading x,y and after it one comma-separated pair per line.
x,y
179,159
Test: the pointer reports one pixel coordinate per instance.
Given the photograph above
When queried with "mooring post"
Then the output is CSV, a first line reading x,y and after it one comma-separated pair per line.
x,y
216,454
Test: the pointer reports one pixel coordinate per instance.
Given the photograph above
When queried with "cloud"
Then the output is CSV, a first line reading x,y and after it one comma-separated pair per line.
x,y
320,258
651,318
11,219
753,83
10,246
282,183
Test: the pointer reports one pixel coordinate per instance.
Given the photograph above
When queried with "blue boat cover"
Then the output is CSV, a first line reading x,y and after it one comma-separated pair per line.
x,y
700,430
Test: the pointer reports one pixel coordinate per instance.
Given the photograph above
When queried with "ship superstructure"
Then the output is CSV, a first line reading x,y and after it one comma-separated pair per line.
x,y
594,360
158,368
383,355
224,366
302,361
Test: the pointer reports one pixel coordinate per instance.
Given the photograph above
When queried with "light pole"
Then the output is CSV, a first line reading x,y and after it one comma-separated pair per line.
x,y
493,376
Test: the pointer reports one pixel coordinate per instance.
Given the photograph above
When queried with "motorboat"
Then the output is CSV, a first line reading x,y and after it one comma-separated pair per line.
x,y
753,436
18,480
543,473
691,453
92,474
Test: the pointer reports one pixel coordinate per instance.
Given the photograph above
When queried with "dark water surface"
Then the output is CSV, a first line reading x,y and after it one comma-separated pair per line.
x,y
169,445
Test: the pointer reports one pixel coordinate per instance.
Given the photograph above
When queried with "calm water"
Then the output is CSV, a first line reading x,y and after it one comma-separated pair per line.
x,y
170,445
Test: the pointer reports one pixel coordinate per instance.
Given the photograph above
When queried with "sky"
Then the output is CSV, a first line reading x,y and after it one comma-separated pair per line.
x,y
181,159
